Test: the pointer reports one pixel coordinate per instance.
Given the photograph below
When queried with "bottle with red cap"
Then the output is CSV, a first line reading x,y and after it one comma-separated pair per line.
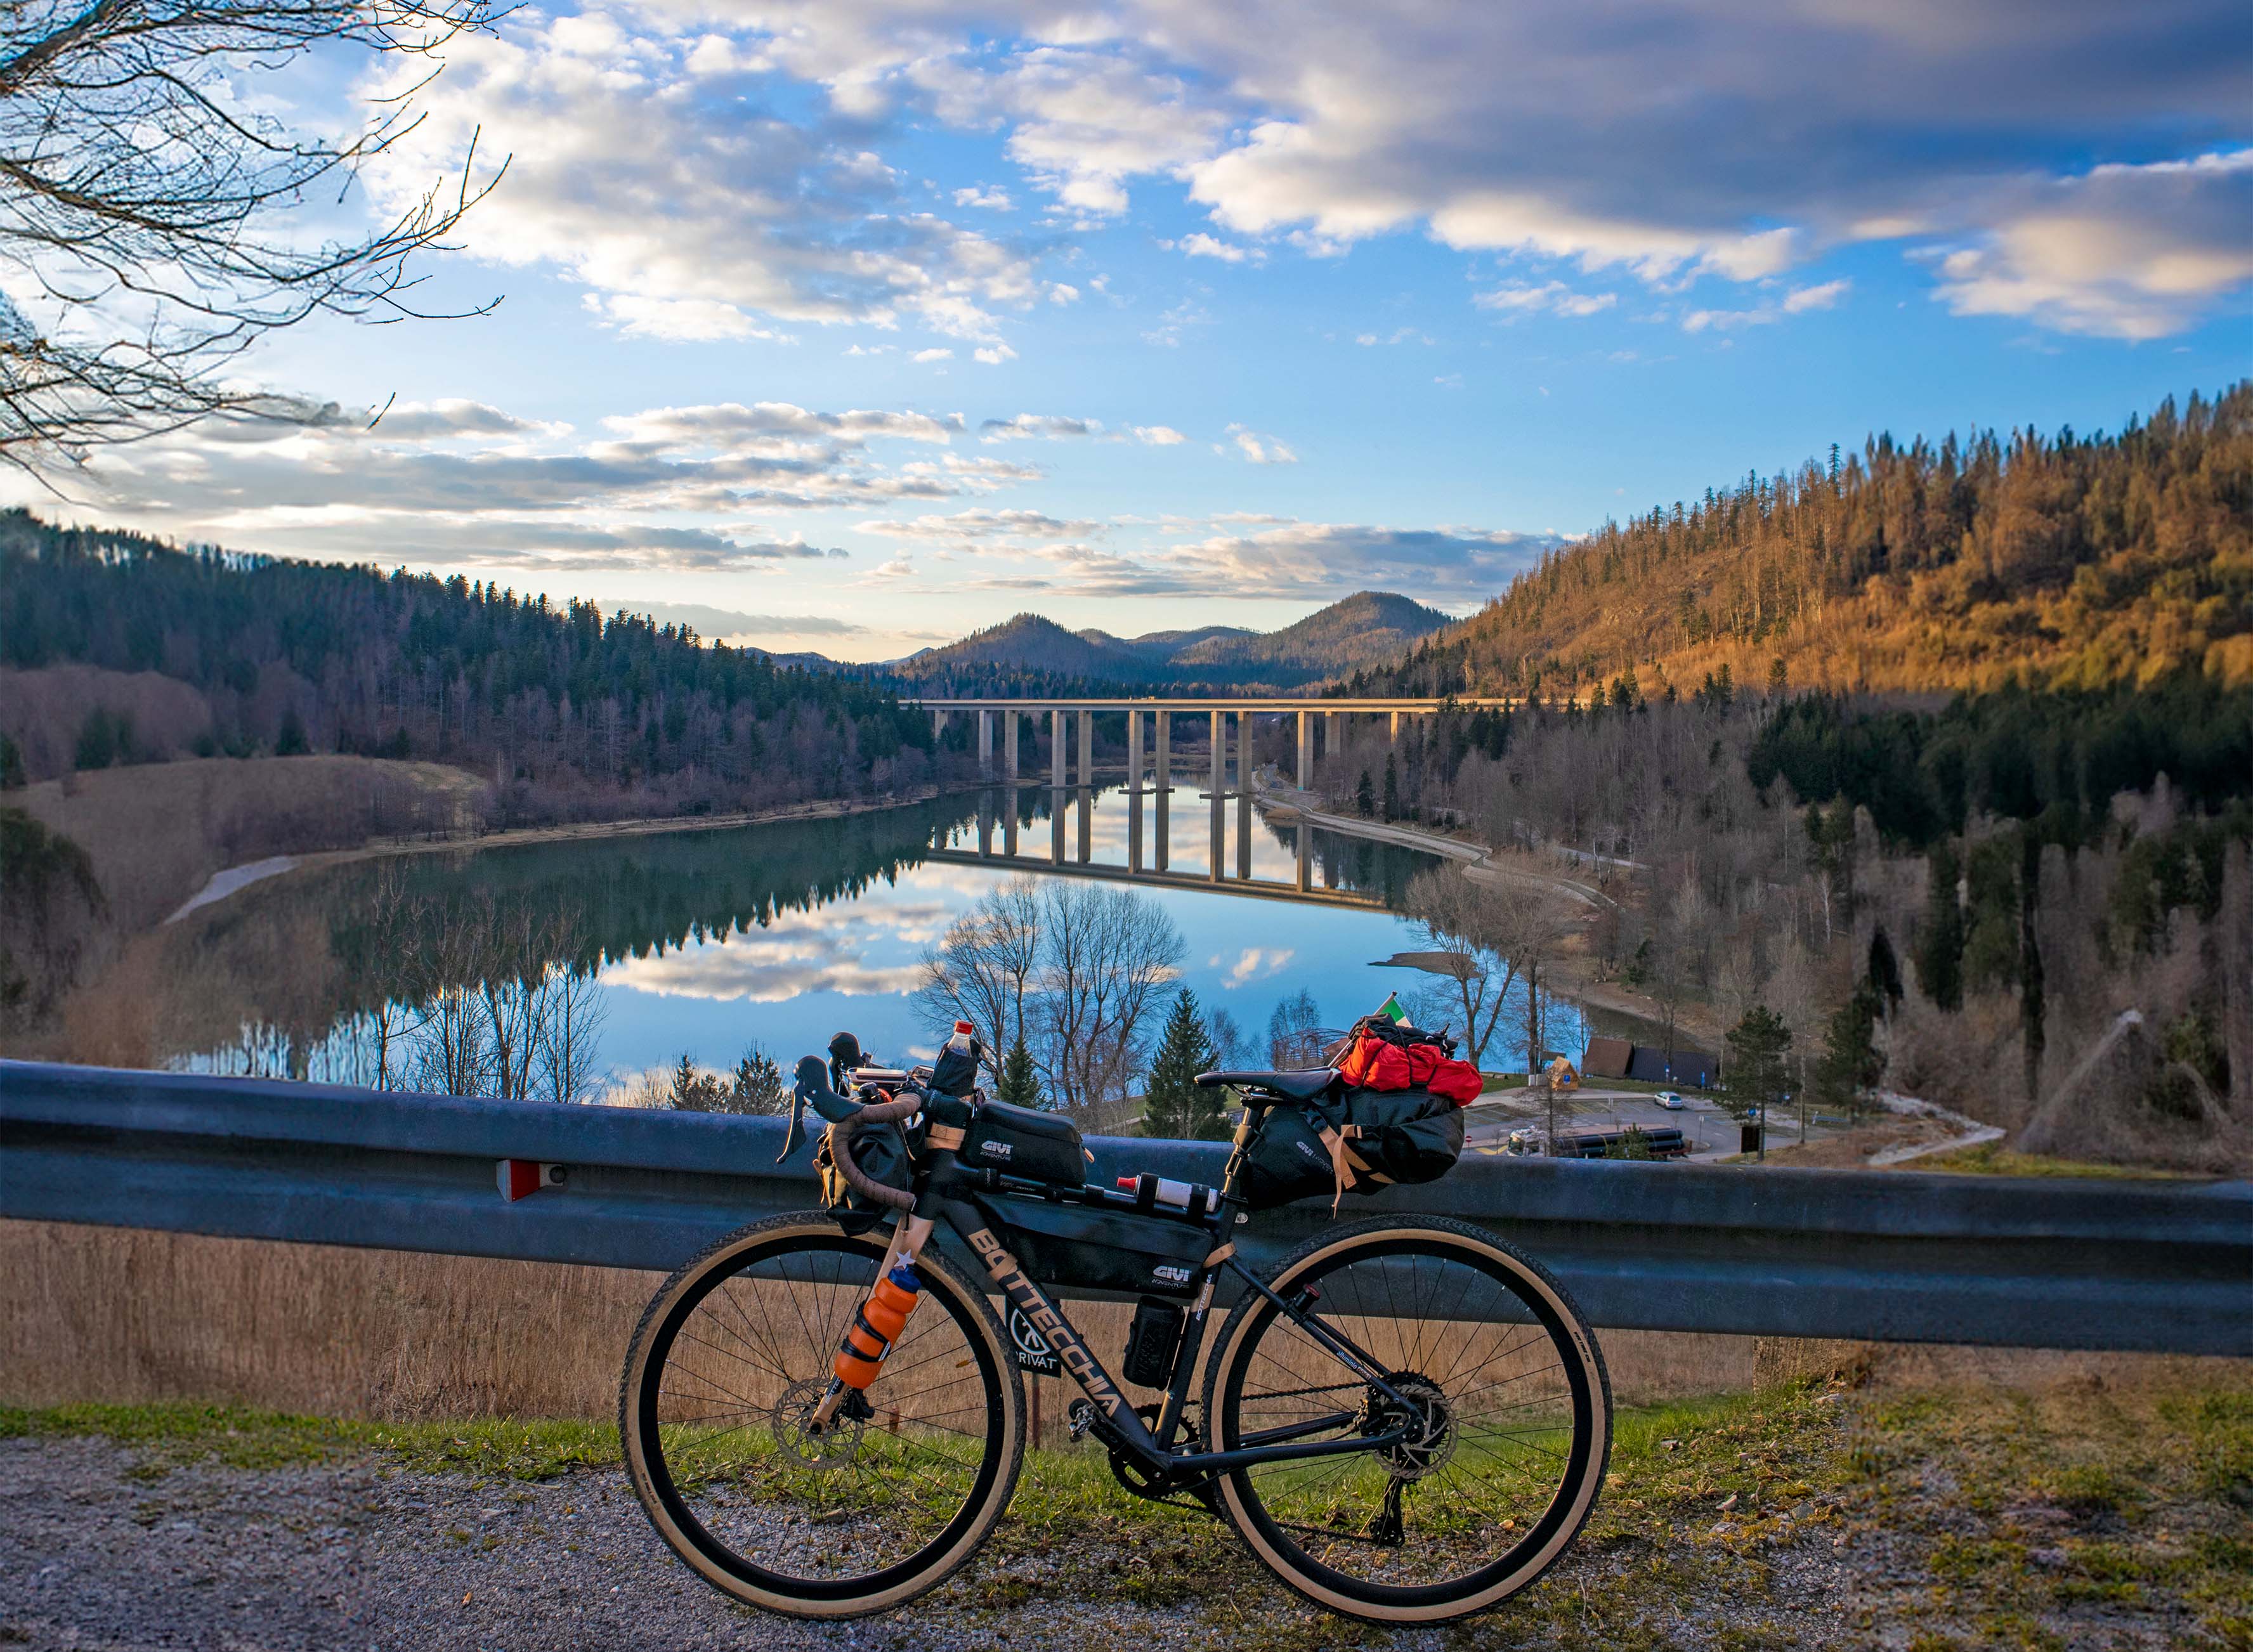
x,y
1150,1192
955,1072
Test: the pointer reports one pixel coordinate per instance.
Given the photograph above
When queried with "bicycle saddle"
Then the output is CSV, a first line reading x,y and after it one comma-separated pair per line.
x,y
1299,1087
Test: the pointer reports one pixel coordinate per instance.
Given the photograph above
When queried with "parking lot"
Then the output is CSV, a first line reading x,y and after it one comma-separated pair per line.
x,y
1703,1122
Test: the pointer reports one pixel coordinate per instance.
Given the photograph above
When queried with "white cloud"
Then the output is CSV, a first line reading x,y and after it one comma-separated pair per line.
x,y
995,355
456,483
1797,301
963,526
2121,252
1257,963
985,199
1159,435
1203,246
1037,427
1819,297
1260,450
646,165
1514,299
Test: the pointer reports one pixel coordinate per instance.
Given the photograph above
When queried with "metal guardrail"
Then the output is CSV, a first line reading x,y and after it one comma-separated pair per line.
x,y
1891,1257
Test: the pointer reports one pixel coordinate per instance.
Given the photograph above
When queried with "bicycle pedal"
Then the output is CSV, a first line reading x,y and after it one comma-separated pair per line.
x,y
1079,1416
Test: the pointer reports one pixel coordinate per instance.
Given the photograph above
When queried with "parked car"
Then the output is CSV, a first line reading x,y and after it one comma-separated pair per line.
x,y
1670,1100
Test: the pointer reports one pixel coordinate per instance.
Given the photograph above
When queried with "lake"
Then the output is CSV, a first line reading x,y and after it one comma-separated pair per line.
x,y
705,943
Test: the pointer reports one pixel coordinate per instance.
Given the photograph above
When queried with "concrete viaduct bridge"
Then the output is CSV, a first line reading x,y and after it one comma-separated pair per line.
x,y
1062,712
1150,776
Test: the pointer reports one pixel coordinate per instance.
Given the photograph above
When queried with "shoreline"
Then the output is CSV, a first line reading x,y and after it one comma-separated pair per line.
x,y
1572,970
227,882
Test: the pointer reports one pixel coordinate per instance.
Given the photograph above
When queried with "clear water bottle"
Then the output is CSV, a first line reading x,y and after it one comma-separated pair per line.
x,y
955,1073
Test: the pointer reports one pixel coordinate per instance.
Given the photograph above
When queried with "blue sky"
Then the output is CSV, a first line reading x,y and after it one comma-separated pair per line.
x,y
854,326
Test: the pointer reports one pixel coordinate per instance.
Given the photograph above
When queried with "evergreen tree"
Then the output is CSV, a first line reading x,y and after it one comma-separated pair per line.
x,y
1364,798
1391,787
1851,1062
1174,1107
291,742
1020,1086
758,1084
1758,1071
1940,944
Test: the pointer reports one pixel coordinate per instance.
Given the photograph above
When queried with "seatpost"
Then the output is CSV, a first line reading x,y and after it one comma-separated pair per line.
x,y
1247,1125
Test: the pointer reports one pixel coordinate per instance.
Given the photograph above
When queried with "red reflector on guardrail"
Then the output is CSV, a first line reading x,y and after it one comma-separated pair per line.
x,y
518,1178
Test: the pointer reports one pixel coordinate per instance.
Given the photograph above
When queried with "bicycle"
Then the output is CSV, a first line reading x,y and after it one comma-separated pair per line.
x,y
1408,1423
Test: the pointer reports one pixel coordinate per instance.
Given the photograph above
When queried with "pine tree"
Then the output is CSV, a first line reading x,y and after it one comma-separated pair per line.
x,y
1757,1072
1391,787
1175,1108
1020,1086
1852,1062
1364,798
1940,942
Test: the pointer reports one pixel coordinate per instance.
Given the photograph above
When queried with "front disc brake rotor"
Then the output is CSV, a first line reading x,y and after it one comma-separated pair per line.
x,y
838,1443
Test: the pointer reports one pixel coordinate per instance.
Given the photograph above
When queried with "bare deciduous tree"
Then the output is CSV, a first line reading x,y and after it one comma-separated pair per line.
x,y
1485,933
1105,954
981,970
153,220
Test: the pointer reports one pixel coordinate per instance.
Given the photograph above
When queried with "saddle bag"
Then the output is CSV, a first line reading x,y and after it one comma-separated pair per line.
x,y
1381,1054
1021,1141
1367,1139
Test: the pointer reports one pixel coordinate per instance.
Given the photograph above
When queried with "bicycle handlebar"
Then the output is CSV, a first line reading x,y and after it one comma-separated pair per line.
x,y
841,1150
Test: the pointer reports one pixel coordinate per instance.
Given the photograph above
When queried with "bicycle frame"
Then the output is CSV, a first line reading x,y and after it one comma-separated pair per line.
x,y
963,1200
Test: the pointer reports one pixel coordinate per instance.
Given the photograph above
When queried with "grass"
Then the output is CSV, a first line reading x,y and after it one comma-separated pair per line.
x,y
2080,1514
1989,1158
171,1436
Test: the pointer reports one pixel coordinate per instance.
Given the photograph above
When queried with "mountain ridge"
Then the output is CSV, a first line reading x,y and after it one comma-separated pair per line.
x,y
1366,628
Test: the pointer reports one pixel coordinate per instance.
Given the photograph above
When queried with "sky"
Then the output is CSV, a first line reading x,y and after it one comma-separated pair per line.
x,y
855,325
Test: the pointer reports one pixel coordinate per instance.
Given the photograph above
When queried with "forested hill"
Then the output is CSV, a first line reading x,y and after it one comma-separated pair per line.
x,y
1030,655
2064,561
207,651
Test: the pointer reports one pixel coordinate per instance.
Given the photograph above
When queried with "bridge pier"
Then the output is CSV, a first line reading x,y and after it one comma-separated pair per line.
x,y
1134,791
1218,790
1306,751
1244,763
1087,747
1057,729
985,745
1163,783
1009,758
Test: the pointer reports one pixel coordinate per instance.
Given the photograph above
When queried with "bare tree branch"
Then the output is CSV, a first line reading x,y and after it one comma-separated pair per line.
x,y
149,222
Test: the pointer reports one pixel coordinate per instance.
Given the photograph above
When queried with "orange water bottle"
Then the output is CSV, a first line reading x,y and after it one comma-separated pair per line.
x,y
877,1326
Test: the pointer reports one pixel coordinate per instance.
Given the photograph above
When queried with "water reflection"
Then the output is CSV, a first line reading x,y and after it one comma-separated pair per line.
x,y
503,969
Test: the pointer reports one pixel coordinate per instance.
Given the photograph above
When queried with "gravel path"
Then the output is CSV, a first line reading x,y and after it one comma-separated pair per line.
x,y
101,1550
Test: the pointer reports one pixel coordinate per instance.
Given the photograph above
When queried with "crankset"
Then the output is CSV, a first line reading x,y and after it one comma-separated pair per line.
x,y
1162,1486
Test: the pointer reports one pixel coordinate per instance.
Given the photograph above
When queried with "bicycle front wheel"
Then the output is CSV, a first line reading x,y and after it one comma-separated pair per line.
x,y
1508,1412
715,1415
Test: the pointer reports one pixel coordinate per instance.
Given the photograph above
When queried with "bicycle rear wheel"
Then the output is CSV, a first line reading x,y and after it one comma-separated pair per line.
x,y
729,1359
1510,1417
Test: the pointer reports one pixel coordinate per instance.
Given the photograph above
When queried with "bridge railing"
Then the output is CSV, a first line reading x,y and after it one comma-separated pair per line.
x,y
1894,1255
